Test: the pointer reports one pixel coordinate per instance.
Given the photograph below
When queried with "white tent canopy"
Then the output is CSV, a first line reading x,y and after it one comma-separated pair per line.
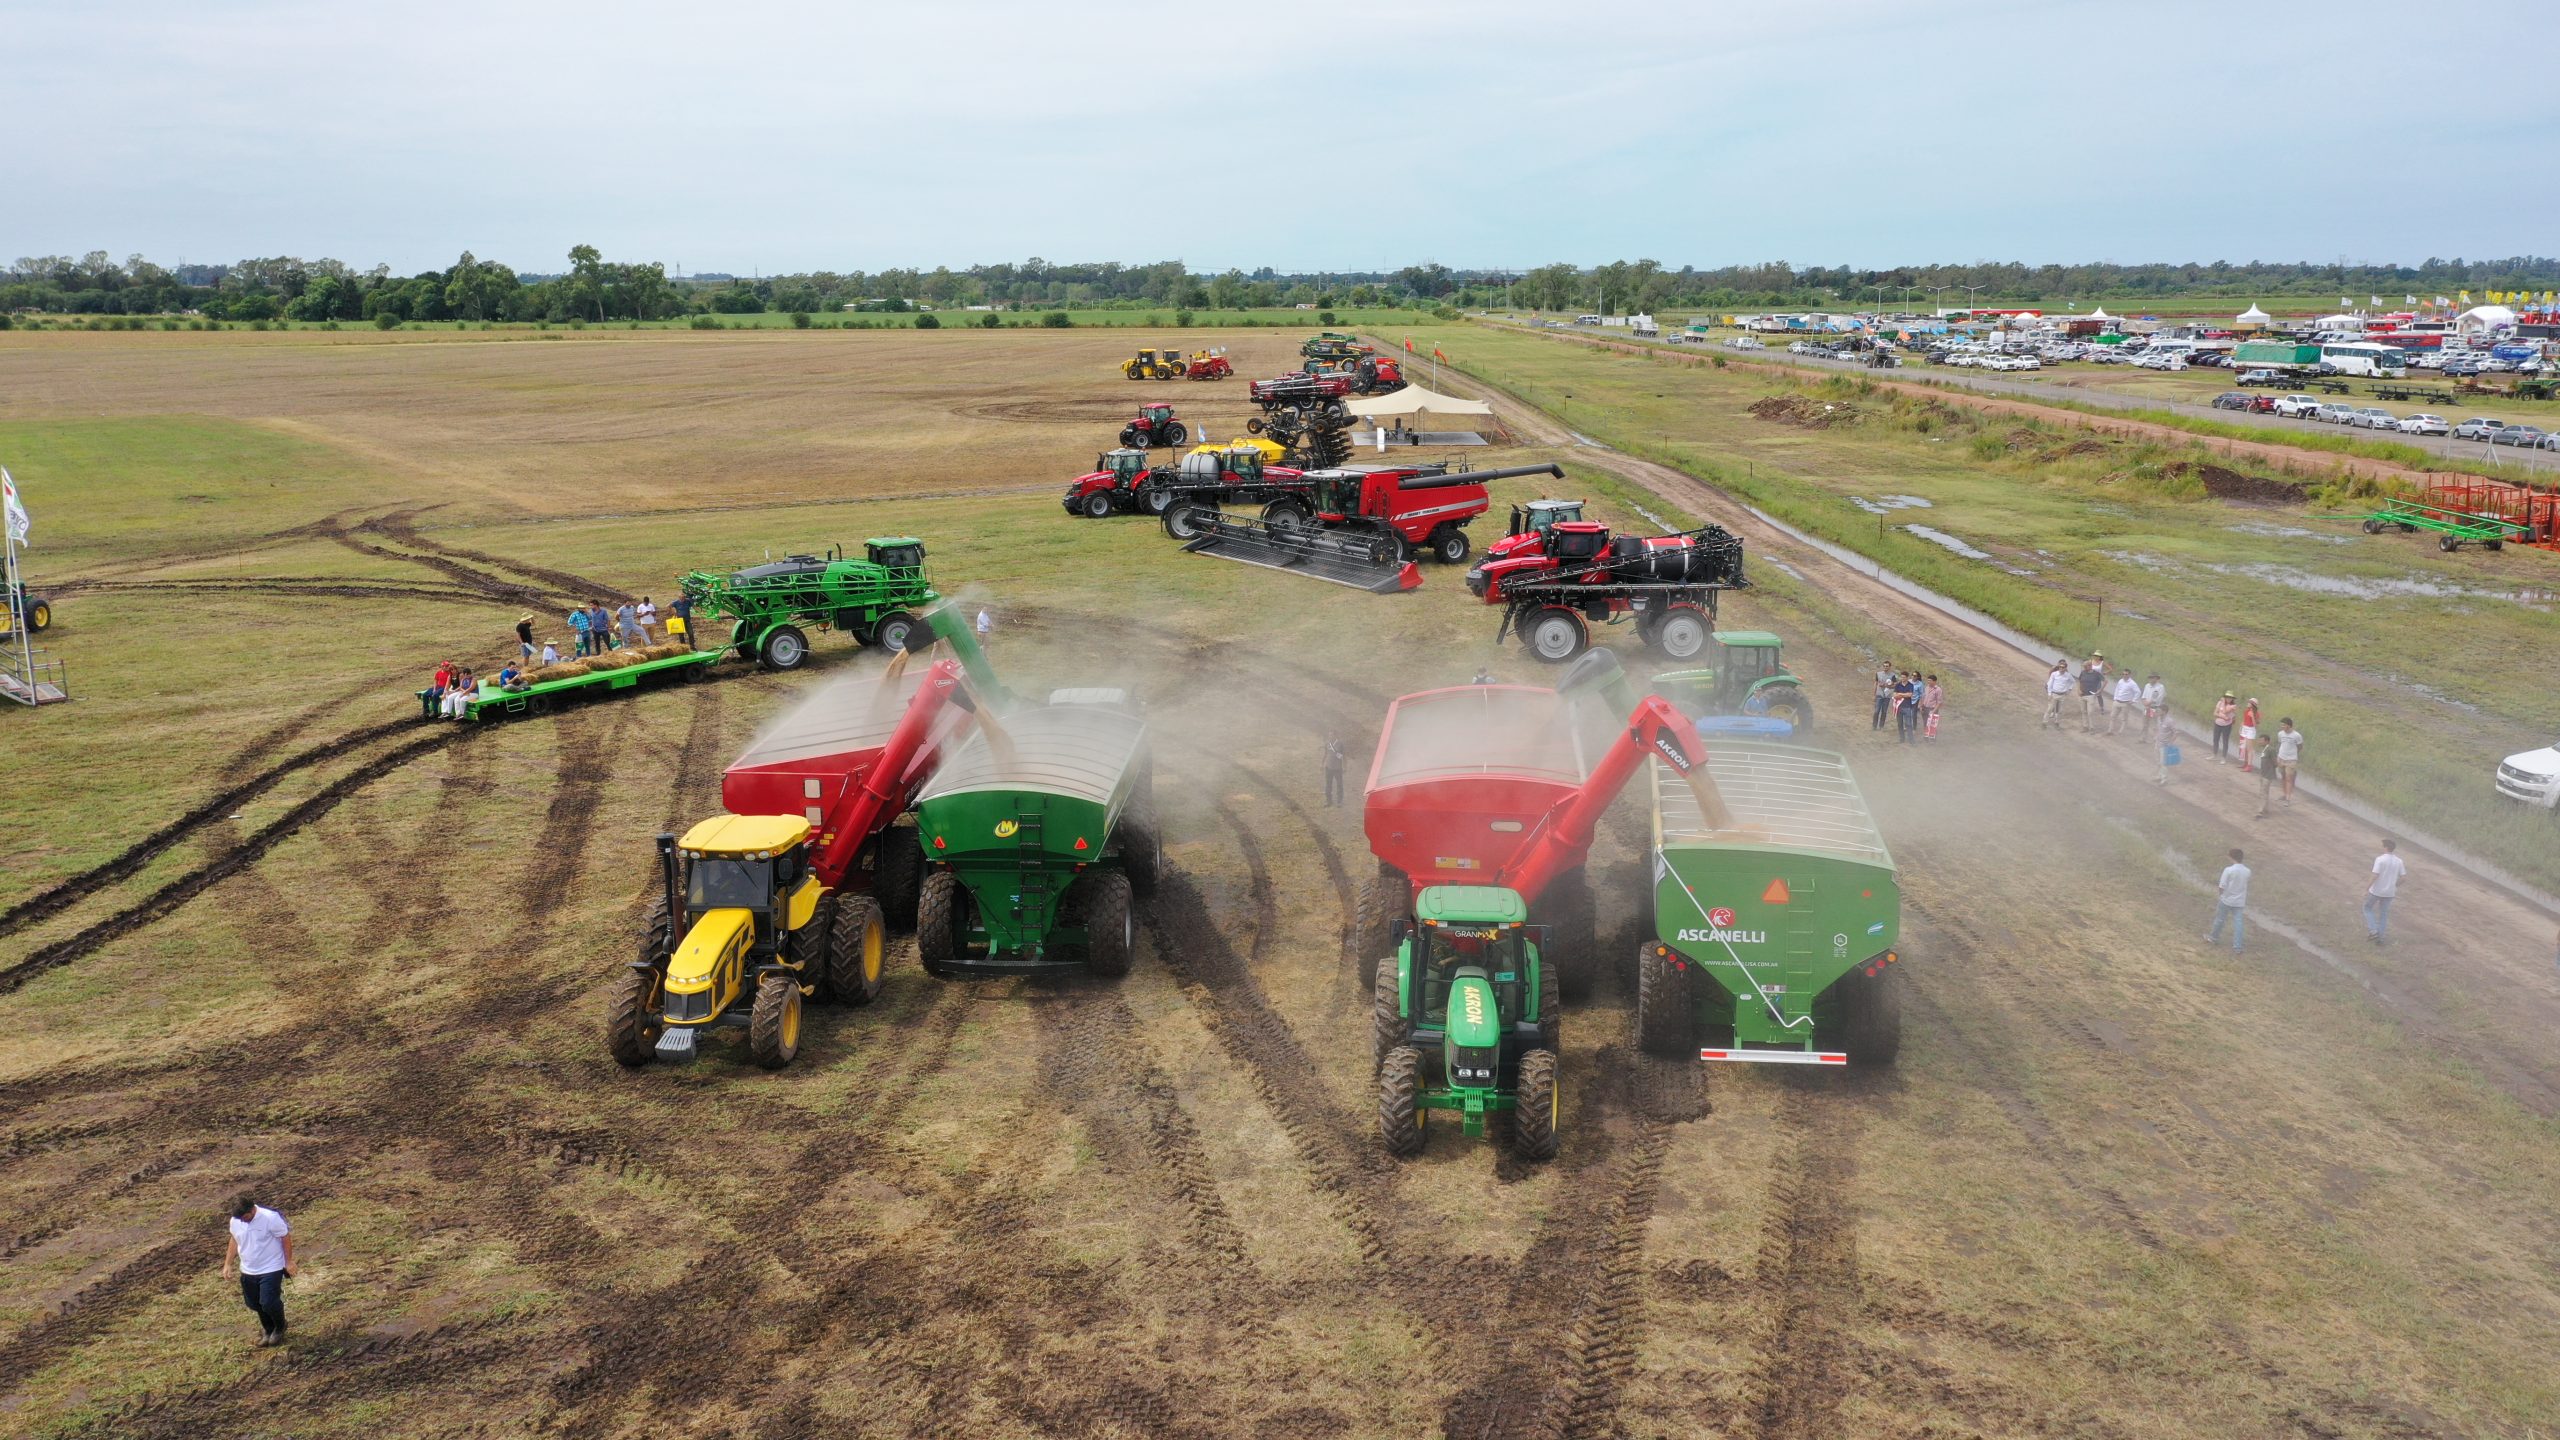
x,y
2099,312
2485,317
2253,316
1415,404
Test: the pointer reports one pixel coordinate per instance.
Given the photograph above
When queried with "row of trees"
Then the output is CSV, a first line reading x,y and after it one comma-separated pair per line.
x,y
595,289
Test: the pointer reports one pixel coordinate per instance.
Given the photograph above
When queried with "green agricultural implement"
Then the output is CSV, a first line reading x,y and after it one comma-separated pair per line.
x,y
1775,923
2453,528
872,598
591,678
1037,833
1333,345
1750,677
1466,1019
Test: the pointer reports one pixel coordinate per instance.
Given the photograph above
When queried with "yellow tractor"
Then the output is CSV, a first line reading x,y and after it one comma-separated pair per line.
x,y
1272,452
1155,365
743,930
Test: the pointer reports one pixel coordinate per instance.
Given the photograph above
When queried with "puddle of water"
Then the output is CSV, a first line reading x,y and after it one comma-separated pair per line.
x,y
1887,504
1946,541
2432,693
2356,588
2156,564
2290,532
1783,567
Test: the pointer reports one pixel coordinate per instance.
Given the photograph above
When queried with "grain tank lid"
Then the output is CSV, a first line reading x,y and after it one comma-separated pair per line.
x,y
1782,796
847,715
1481,730
1082,752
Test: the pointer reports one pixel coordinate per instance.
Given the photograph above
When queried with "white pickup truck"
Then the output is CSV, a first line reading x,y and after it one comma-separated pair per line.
x,y
2533,777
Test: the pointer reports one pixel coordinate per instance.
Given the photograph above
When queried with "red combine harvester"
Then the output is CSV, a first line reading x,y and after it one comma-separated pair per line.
x,y
1554,584
1361,528
1504,785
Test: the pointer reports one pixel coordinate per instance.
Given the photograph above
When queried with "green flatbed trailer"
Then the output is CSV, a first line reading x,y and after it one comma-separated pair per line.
x,y
540,696
1775,940
1037,833
2453,529
872,597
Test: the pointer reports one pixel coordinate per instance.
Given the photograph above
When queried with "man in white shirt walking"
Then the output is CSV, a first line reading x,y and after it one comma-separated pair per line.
x,y
2230,902
2127,694
2057,688
261,1250
2388,867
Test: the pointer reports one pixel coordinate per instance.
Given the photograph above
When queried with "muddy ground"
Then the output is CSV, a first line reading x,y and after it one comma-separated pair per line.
x,y
2121,1183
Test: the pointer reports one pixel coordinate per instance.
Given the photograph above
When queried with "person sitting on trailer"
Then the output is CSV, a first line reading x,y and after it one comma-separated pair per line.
x,y
509,677
550,653
457,701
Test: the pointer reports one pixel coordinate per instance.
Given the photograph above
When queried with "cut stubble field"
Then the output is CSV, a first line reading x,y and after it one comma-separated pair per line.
x,y
258,930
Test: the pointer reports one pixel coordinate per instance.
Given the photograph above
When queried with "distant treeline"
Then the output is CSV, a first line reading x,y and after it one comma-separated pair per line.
x,y
593,288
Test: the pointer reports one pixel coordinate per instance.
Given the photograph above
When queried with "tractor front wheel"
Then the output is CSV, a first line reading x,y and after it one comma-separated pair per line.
x,y
1450,546
1110,927
1536,1107
938,922
1400,1114
1253,426
896,631
858,950
1555,634
631,1022
785,648
773,1028
39,616
1388,1027
1663,1008
1097,506
897,875
1154,498
1184,519
1682,635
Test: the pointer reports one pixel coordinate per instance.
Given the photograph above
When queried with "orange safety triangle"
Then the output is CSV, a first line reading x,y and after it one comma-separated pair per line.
x,y
1079,842
1776,894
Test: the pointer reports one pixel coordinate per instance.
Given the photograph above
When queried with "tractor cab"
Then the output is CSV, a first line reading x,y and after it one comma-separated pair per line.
x,y
1155,413
1750,678
1336,494
733,887
900,555
1577,543
1123,465
1539,517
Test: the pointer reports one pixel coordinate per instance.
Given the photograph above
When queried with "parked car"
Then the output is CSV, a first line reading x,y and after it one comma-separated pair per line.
x,y
2523,436
2548,442
2373,418
2335,413
2478,427
2532,776
2457,368
1744,342
2161,360
2424,425
2231,400
2210,359
2299,407
2262,377
2262,403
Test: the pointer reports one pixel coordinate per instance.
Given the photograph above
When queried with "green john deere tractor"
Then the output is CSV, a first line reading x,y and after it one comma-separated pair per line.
x,y
872,597
1466,1019
1750,678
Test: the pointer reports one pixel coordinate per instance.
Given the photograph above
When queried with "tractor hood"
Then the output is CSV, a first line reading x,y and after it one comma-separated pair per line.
x,y
697,961
1475,1018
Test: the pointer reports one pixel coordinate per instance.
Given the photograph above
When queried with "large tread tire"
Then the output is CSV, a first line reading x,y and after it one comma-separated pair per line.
x,y
1871,1017
1665,1013
773,1027
1176,433
784,647
1555,634
1382,902
1389,1029
813,945
1550,1005
1572,932
1097,506
632,1024
1141,849
1400,1114
1111,932
897,876
1450,546
1182,519
938,922
1537,1106
857,950
896,630
1791,704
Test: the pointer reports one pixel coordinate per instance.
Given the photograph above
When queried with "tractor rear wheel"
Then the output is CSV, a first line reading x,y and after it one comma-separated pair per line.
x,y
1550,1005
1663,1008
1097,506
897,874
1682,634
1388,1028
1111,930
785,648
1382,902
1536,1106
631,1018
773,1028
1871,1015
896,631
938,922
1572,932
857,950
1555,634
1788,703
1449,546
1176,433
1400,1114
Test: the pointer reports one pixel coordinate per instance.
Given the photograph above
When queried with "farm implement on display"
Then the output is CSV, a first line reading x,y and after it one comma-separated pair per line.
x,y
1361,528
1553,586
1037,832
790,895
585,679
1298,395
2452,528
872,598
1155,365
1367,374
2496,513
1495,791
1123,480
1775,922
1333,345
1154,425
1208,365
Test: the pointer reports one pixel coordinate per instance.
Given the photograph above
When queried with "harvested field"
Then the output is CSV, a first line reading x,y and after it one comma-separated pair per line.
x,y
282,936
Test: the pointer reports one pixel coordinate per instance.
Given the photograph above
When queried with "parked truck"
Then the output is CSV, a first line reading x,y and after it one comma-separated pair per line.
x,y
2275,355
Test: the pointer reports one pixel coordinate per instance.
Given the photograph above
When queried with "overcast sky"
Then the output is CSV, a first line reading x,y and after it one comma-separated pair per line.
x,y
778,135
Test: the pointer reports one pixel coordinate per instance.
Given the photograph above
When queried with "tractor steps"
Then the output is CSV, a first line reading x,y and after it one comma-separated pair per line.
x,y
1314,554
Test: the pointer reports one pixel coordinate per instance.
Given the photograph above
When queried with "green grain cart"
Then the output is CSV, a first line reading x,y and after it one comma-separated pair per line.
x,y
872,598
1774,936
1038,831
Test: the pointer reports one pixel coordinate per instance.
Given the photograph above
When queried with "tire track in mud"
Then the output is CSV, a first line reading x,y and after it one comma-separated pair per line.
x,y
66,893
186,887
293,589
1807,1271
400,527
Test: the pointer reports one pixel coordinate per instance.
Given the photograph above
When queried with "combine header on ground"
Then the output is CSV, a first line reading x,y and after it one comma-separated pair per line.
x,y
1555,585
872,598
1353,527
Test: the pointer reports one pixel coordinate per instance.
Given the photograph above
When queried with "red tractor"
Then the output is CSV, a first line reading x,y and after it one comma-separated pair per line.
x,y
1409,509
1155,425
1110,487
1557,582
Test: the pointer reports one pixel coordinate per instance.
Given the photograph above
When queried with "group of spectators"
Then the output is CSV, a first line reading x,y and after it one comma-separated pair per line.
x,y
1909,701
595,629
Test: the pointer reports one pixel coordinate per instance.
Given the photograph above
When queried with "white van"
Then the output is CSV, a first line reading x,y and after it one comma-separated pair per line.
x,y
2533,777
